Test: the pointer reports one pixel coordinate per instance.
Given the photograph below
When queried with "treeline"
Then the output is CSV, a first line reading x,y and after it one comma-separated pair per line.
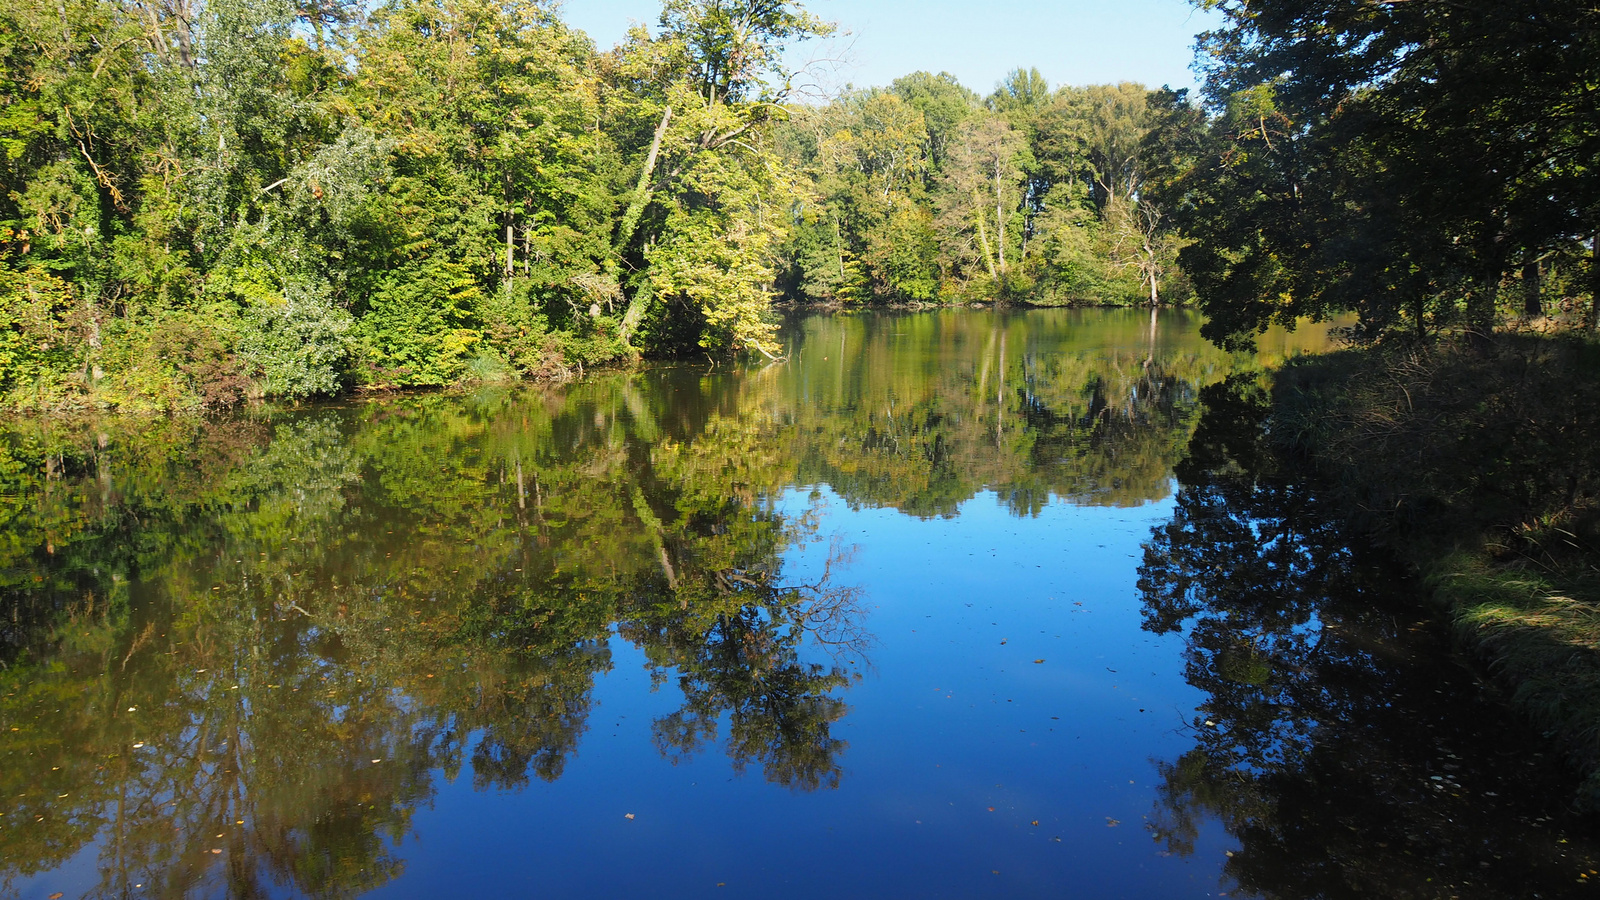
x,y
924,191
208,202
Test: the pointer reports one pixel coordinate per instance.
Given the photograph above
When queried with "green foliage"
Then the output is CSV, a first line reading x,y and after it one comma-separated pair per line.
x,y
295,200
925,193
42,328
1400,161
418,328
301,347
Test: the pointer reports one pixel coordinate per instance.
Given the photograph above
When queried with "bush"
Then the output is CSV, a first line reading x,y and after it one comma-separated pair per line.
x,y
44,336
419,327
301,347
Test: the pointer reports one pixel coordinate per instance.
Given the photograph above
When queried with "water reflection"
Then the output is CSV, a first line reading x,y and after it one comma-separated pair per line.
x,y
243,670
1339,741
236,656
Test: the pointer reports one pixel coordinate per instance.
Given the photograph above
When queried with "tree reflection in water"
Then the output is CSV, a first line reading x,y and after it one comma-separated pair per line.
x,y
243,676
236,656
1339,742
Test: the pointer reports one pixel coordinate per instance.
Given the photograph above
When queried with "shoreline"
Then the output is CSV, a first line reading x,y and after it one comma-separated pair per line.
x,y
1474,463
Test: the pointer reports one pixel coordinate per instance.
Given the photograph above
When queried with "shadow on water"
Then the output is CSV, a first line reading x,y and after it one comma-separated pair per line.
x,y
1340,742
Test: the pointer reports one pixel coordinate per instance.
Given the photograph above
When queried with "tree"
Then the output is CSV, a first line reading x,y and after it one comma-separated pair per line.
x,y
982,193
1398,160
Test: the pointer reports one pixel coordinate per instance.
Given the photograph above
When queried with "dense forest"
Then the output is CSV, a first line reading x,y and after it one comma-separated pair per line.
x,y
205,203
927,192
211,202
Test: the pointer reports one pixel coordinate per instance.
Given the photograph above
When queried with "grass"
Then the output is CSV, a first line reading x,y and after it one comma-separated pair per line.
x,y
1478,462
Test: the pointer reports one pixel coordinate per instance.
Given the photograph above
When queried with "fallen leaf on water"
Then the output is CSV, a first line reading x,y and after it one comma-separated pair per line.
x,y
1112,823
1036,821
991,809
215,850
57,896
1037,661
628,816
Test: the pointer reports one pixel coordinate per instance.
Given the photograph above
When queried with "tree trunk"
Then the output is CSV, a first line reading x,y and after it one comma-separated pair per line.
x,y
1532,293
641,192
983,241
838,245
999,216
1481,304
1594,283
630,222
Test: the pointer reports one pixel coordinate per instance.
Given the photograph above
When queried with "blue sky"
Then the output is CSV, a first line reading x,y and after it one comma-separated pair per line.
x,y
1070,41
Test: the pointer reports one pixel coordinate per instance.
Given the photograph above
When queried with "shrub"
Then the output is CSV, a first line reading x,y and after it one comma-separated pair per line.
x,y
301,347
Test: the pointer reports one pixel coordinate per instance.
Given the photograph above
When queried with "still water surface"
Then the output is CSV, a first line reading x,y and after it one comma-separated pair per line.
x,y
959,604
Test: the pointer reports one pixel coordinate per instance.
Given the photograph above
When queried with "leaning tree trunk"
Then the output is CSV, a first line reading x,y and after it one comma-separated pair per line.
x,y
630,222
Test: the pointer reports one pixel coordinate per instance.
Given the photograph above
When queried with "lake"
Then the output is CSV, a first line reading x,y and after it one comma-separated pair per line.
x,y
949,604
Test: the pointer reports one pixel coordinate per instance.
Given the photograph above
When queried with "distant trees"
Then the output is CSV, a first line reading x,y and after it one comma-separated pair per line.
x,y
1028,195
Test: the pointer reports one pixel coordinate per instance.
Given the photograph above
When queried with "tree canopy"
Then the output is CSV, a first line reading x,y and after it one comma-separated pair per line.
x,y
1406,161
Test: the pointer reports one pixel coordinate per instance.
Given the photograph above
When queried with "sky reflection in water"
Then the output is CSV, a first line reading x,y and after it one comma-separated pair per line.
x,y
917,613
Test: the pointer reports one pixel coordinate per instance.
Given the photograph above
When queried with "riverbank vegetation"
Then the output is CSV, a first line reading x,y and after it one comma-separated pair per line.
x,y
1475,462
1429,167
206,203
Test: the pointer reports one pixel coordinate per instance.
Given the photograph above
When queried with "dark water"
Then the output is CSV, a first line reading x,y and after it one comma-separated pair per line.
x,y
948,605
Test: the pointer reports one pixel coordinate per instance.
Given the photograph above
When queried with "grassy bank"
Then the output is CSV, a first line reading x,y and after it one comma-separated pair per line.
x,y
1478,462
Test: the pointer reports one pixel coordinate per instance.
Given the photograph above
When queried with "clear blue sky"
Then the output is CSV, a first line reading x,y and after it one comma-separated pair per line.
x,y
979,41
